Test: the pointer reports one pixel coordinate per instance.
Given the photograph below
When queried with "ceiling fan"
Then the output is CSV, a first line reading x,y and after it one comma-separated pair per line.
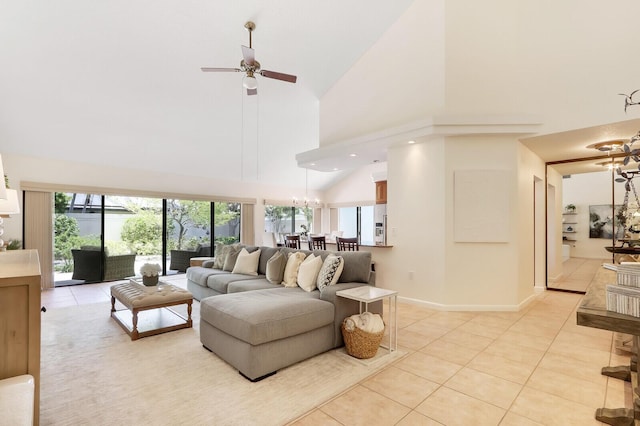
x,y
250,67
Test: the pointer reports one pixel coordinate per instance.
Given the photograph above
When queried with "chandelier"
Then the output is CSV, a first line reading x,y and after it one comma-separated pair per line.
x,y
305,202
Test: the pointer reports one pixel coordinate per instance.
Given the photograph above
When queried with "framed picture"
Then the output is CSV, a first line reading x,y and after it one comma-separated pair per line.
x,y
603,221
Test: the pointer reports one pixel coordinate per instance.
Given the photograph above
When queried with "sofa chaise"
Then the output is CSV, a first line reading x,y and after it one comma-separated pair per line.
x,y
260,327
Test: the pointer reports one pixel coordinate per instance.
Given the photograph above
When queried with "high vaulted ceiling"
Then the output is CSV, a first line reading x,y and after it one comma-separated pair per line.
x,y
119,82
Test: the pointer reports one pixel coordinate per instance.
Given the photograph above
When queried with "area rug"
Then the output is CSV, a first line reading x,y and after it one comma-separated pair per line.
x,y
92,373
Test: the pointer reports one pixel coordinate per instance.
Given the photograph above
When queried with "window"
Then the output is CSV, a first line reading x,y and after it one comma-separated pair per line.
x,y
357,222
282,220
188,224
226,219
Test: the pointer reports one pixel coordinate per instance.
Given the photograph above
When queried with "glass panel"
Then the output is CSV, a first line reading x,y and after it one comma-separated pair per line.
x,y
133,235
227,222
304,221
76,225
279,220
367,225
188,232
348,221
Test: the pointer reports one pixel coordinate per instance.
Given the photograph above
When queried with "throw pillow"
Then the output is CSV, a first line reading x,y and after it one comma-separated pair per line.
x,y
308,272
291,269
247,263
219,256
330,271
275,268
232,256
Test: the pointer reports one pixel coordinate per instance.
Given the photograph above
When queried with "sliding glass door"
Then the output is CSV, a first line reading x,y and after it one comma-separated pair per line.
x,y
108,238
77,238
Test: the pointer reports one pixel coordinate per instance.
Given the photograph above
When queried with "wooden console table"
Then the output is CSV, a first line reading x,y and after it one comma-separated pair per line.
x,y
593,313
20,319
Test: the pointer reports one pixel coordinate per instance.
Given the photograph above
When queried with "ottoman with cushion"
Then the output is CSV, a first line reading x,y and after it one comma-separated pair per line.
x,y
261,331
137,298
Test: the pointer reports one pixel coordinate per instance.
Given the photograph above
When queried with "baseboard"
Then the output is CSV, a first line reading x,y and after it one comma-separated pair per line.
x,y
473,308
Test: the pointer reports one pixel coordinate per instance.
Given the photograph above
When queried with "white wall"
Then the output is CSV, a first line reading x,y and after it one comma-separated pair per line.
x,y
532,57
425,264
554,225
416,222
491,57
483,274
584,190
399,79
530,218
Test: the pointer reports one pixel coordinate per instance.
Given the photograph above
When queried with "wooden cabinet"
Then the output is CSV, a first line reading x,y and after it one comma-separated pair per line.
x,y
20,318
381,192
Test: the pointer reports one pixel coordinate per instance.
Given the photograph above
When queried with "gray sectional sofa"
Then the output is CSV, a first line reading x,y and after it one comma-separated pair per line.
x,y
259,327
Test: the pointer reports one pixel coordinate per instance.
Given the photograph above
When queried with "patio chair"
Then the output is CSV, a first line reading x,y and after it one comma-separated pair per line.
x,y
87,265
181,259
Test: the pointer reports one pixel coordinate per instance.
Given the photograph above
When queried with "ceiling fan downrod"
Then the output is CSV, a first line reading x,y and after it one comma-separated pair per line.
x,y
250,26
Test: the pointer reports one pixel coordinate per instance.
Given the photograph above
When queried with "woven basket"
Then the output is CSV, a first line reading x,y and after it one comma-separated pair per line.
x,y
361,344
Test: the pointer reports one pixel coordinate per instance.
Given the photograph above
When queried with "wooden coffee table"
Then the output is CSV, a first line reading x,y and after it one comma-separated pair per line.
x,y
148,311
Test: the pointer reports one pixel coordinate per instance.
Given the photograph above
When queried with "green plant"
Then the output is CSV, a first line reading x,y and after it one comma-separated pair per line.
x,y
185,215
143,233
66,237
61,202
14,245
226,240
570,208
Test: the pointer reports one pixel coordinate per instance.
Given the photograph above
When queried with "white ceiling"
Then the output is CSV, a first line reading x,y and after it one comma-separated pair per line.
x,y
119,82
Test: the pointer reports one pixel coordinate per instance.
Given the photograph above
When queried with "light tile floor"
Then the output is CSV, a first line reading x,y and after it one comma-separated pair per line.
x,y
530,367
577,273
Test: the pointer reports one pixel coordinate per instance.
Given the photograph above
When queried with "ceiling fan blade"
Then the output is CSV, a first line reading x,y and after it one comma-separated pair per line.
x,y
252,92
249,55
210,69
279,76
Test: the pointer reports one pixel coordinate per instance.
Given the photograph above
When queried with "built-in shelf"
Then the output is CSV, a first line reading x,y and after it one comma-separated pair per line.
x,y
569,232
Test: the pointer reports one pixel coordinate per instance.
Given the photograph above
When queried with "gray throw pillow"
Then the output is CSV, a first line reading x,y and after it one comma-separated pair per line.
x,y
230,260
275,268
219,256
330,271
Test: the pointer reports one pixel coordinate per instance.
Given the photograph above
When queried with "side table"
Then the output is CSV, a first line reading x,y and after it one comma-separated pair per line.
x,y
367,294
198,261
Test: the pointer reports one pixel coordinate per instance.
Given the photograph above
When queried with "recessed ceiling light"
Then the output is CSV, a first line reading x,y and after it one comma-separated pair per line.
x,y
312,164
335,169
411,142
352,155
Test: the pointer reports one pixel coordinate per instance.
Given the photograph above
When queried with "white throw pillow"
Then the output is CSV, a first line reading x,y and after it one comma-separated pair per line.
x,y
247,263
330,271
308,272
291,269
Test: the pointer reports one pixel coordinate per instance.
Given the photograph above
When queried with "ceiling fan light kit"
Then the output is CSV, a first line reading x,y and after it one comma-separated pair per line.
x,y
250,67
250,82
607,146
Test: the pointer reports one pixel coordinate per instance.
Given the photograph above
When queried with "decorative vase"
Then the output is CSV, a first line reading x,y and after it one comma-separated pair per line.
x,y
150,280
